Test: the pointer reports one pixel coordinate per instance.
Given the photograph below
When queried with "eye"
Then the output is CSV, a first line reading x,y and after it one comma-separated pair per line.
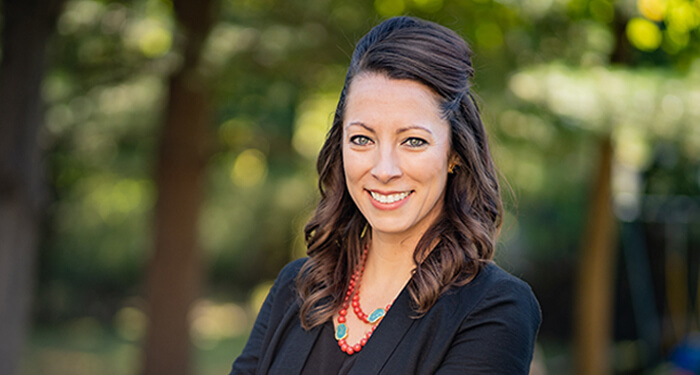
x,y
415,142
360,140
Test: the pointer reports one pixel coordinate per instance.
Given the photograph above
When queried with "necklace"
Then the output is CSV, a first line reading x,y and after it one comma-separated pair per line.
x,y
341,332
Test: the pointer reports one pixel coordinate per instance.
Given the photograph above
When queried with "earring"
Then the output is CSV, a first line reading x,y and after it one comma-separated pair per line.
x,y
364,230
451,169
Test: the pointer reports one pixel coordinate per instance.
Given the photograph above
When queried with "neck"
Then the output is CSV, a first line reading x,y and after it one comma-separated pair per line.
x,y
390,261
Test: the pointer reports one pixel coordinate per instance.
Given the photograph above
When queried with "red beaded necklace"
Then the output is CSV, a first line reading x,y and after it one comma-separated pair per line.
x,y
341,332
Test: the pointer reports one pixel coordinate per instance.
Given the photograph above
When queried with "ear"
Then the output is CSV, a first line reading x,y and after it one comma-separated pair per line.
x,y
454,162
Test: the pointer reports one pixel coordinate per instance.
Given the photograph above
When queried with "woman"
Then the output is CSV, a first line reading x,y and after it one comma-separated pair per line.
x,y
399,278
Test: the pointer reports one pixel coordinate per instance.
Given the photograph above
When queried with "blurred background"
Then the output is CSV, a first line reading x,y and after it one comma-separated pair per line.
x,y
157,165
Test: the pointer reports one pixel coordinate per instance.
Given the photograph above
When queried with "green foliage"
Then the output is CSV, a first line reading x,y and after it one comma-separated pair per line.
x,y
275,70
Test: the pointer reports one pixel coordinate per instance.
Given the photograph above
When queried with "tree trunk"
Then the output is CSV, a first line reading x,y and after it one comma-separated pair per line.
x,y
28,24
593,310
174,275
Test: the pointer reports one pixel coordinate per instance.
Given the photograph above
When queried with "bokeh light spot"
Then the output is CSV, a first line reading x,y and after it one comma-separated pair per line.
x,y
632,147
428,6
155,41
643,34
130,323
652,9
212,322
388,8
602,11
526,87
489,35
235,132
312,123
535,8
675,41
258,296
682,17
249,169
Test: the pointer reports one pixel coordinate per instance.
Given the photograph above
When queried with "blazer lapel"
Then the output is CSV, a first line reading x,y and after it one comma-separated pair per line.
x,y
289,331
386,337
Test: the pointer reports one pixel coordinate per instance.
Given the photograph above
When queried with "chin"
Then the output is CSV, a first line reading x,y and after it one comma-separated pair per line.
x,y
389,226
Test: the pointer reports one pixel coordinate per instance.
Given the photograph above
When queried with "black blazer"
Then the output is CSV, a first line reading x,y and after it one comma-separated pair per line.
x,y
488,326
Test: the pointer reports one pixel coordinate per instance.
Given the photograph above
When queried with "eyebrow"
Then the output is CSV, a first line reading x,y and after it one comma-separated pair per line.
x,y
399,131
360,124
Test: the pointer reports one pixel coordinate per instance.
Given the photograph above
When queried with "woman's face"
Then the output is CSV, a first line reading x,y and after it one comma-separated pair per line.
x,y
396,150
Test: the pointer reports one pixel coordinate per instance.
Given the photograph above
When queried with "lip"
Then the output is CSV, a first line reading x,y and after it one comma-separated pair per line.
x,y
388,206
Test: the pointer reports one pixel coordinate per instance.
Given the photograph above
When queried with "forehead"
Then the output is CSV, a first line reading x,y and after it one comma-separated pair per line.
x,y
376,100
371,82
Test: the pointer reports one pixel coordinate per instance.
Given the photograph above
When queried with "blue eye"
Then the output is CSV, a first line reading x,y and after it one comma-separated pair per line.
x,y
359,140
416,142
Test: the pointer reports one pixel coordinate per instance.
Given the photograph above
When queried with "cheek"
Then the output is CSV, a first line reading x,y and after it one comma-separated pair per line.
x,y
353,172
430,172
429,165
352,167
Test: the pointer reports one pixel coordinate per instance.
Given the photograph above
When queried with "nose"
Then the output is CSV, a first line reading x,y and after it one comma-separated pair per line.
x,y
386,167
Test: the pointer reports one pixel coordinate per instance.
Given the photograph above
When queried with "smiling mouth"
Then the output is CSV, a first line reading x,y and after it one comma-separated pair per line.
x,y
389,198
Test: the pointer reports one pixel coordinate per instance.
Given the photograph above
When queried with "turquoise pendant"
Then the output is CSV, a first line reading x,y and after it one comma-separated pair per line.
x,y
341,332
376,316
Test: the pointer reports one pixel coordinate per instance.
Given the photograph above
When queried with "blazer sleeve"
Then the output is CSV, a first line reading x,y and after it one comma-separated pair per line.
x,y
247,362
498,337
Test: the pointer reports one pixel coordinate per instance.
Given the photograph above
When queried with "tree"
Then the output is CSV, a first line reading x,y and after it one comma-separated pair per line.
x,y
27,28
623,109
174,276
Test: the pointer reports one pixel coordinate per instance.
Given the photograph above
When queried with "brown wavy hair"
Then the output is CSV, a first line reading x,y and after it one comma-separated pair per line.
x,y
462,239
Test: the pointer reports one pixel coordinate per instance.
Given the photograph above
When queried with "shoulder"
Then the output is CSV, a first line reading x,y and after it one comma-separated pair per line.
x,y
491,325
291,270
496,280
279,301
286,280
493,279
495,291
283,294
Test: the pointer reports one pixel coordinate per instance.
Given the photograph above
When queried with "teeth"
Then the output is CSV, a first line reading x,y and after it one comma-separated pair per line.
x,y
391,198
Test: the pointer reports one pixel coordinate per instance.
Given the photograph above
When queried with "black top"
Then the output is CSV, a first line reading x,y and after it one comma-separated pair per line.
x,y
326,356
487,327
